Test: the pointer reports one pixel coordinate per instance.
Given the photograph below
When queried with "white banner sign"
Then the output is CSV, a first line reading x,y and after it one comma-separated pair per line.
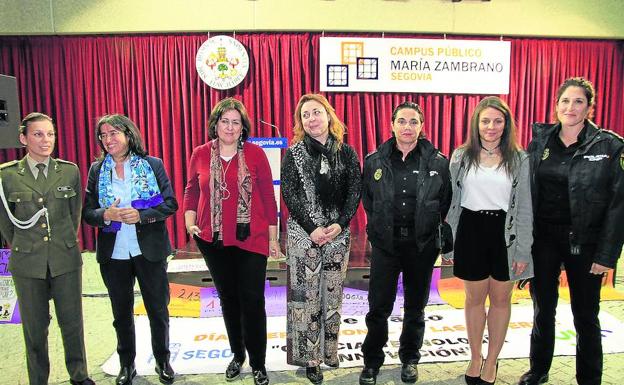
x,y
414,65
200,345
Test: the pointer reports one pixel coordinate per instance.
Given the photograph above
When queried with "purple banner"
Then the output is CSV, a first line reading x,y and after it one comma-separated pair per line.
x,y
434,294
354,301
4,262
9,309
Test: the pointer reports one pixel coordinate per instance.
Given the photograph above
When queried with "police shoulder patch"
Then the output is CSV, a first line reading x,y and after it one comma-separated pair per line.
x,y
370,154
615,134
546,154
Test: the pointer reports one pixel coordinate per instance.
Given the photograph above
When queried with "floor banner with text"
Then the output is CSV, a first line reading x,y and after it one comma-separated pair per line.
x,y
200,345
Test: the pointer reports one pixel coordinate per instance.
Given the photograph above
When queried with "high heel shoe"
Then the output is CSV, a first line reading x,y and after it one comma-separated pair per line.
x,y
470,380
474,380
483,382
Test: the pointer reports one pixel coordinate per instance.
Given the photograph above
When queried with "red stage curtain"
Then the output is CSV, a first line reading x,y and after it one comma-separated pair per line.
x,y
152,79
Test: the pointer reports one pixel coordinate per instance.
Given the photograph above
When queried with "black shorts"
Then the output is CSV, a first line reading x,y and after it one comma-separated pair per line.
x,y
480,249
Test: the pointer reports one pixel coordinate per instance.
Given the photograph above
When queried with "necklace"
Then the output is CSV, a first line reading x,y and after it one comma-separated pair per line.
x,y
225,193
491,152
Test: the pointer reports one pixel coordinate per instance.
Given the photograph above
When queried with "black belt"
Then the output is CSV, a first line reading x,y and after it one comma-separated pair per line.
x,y
495,213
404,231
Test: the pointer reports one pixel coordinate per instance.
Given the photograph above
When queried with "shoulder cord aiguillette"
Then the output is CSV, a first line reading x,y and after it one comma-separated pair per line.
x,y
27,224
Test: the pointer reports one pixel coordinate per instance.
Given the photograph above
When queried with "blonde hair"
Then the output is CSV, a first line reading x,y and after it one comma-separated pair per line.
x,y
336,127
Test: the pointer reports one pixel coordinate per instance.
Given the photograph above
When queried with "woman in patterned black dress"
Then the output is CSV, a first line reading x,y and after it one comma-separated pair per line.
x,y
321,188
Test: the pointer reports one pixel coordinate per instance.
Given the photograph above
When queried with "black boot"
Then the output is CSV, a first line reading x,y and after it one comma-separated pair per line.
x,y
368,376
126,374
165,372
533,378
409,372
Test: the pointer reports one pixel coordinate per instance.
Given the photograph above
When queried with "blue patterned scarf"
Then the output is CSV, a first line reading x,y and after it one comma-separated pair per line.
x,y
145,191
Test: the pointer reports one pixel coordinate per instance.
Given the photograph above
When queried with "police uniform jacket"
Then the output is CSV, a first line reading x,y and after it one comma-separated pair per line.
x,y
38,248
432,202
595,187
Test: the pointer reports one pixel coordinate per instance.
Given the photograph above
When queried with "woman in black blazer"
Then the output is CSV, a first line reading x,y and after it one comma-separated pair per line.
x,y
129,197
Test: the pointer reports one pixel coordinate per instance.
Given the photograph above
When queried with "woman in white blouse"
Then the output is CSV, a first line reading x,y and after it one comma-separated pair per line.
x,y
491,217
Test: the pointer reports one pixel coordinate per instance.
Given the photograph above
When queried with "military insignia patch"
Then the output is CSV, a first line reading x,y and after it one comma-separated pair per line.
x,y
377,174
546,154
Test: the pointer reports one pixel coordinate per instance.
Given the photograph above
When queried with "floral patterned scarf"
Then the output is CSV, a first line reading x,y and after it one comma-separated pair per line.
x,y
145,191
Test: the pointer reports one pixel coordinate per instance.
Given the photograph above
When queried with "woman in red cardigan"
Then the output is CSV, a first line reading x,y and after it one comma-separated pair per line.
x,y
230,211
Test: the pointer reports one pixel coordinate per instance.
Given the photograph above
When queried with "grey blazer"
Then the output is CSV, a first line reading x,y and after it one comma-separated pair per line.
x,y
518,219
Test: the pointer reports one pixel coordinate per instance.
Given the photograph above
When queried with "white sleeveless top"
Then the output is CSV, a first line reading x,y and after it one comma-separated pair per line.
x,y
486,188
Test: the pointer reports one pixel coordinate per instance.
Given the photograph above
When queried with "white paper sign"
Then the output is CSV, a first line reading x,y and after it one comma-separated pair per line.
x,y
414,65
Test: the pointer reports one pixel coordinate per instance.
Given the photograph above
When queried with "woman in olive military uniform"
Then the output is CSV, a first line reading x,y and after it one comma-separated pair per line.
x,y
45,256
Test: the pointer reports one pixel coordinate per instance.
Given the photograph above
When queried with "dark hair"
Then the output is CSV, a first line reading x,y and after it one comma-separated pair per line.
x,y
225,105
412,106
33,117
336,127
127,127
509,146
585,85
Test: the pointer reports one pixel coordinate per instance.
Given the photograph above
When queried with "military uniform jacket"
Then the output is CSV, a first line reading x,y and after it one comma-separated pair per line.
x,y
38,248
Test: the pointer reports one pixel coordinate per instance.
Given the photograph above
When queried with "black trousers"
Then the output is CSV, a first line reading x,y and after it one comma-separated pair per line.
x,y
551,248
34,298
239,277
119,277
384,274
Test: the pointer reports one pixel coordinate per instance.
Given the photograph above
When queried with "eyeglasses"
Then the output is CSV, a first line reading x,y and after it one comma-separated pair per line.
x,y
413,122
109,135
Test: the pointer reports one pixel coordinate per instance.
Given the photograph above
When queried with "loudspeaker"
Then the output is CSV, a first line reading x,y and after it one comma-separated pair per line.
x,y
9,113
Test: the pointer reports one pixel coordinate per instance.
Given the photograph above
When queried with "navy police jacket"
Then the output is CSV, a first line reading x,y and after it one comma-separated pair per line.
x,y
595,187
433,196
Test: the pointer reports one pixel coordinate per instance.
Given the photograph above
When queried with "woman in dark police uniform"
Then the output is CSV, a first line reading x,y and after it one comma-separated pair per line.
x,y
578,205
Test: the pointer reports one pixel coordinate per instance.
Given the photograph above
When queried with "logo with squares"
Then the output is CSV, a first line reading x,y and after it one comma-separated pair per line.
x,y
352,54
